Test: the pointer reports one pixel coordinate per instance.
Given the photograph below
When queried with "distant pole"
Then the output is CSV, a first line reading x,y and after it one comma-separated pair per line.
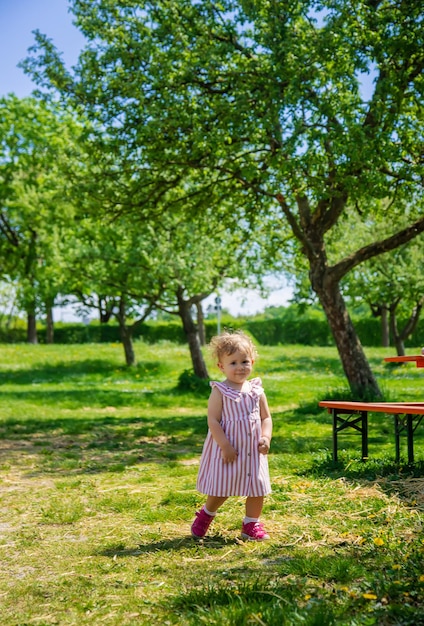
x,y
218,313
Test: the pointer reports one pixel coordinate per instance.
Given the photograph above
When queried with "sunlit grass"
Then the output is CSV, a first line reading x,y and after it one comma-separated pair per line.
x,y
98,465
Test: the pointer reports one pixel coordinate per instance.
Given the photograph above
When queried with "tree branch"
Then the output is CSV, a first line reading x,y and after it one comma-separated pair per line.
x,y
297,231
340,269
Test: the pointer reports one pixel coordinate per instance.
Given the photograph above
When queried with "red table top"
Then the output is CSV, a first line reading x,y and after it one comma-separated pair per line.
x,y
418,358
399,408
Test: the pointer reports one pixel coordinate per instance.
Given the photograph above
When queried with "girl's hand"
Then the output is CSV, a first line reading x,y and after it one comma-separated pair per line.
x,y
263,445
228,453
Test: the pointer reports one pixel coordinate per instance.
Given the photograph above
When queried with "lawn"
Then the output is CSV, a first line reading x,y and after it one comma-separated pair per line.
x,y
98,466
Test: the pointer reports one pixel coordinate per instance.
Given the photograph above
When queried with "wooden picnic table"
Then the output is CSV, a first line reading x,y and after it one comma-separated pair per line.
x,y
354,415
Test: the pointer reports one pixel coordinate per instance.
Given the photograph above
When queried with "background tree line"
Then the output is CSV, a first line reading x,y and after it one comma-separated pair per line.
x,y
289,325
201,142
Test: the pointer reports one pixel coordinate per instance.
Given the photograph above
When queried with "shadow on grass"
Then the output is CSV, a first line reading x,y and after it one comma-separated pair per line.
x,y
91,445
280,595
403,480
79,398
287,586
372,469
98,441
182,543
64,371
93,400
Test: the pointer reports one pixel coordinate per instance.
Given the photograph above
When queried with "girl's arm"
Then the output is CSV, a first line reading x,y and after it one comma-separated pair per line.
x,y
266,425
228,453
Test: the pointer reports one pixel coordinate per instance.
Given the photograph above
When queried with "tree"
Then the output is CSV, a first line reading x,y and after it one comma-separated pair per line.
x,y
35,142
267,94
171,264
103,261
127,206
393,289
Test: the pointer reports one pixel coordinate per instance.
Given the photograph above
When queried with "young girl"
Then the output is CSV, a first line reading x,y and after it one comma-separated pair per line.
x,y
234,461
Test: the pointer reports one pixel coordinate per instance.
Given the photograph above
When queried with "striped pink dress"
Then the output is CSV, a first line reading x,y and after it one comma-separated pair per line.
x,y
241,422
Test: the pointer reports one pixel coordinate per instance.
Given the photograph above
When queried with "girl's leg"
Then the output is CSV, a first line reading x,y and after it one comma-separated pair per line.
x,y
213,503
254,506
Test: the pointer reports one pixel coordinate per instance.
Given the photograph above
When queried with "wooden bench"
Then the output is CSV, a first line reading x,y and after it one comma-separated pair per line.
x,y
417,358
407,417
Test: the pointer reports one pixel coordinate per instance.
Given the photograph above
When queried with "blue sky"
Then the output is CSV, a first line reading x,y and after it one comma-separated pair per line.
x,y
18,18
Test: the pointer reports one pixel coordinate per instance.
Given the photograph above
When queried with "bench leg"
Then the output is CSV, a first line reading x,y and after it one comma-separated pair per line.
x,y
410,436
397,438
345,423
364,415
334,415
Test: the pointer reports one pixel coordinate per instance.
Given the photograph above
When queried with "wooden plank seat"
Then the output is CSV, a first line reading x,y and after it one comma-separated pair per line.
x,y
407,417
418,358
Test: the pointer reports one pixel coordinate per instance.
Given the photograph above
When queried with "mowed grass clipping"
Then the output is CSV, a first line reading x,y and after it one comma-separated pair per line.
x,y
98,466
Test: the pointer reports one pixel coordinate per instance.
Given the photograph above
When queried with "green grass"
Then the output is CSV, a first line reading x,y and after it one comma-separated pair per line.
x,y
98,466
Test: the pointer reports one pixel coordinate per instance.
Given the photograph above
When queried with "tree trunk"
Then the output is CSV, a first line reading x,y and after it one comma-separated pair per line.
x,y
126,335
412,322
385,333
362,382
201,324
190,329
49,325
400,336
127,342
397,339
32,328
104,318
400,347
105,308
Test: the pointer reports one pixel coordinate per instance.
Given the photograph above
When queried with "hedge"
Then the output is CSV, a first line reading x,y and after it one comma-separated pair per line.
x,y
291,327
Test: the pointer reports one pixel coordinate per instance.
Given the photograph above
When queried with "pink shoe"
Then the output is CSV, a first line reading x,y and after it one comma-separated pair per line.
x,y
254,531
200,526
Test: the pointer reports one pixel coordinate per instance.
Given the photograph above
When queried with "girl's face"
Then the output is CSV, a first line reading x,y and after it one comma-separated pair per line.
x,y
237,367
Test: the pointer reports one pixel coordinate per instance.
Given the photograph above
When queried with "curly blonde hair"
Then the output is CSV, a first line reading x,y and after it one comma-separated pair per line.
x,y
228,343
